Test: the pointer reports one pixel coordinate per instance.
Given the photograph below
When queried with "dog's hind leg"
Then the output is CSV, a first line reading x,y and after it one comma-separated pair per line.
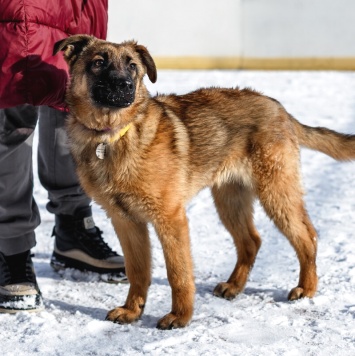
x,y
279,190
135,244
234,203
292,220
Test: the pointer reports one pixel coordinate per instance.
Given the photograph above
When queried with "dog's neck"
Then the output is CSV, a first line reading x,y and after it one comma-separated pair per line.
x,y
101,148
119,134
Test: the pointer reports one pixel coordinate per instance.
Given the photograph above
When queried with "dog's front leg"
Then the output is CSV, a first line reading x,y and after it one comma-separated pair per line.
x,y
135,244
173,233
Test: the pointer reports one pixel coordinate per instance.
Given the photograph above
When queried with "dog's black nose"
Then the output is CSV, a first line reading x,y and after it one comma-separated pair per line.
x,y
114,91
120,82
125,84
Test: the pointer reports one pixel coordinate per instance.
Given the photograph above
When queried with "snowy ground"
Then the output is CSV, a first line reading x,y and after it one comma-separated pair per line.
x,y
260,321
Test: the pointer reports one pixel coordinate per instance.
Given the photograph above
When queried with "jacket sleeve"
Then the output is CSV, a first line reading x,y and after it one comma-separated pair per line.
x,y
29,73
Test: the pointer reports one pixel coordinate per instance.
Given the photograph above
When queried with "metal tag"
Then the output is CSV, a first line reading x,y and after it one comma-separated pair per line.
x,y
101,150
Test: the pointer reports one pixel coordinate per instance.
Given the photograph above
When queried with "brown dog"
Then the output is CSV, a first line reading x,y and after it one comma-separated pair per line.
x,y
142,158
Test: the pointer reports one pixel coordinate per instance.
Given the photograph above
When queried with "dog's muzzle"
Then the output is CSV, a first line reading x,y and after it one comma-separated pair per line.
x,y
116,92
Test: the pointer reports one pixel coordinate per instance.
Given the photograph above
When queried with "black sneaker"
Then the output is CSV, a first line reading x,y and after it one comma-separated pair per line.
x,y
18,286
79,244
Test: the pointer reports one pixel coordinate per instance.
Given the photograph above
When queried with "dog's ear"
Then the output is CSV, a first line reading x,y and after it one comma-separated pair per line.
x,y
148,62
72,46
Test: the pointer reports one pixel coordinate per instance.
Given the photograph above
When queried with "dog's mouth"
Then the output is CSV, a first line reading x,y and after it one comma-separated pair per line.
x,y
119,94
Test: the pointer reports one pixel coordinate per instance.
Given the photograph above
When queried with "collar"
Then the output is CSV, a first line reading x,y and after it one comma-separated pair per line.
x,y
101,148
119,134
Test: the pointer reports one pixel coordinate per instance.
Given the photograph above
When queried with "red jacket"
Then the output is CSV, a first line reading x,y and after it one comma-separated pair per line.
x,y
29,73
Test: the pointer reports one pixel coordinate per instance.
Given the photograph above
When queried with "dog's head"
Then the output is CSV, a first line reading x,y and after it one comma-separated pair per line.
x,y
104,74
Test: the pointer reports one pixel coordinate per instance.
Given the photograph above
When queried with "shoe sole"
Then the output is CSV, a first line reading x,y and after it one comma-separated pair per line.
x,y
28,303
14,311
113,275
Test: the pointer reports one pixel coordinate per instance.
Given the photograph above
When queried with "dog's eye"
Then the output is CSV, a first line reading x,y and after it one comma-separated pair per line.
x,y
133,66
98,63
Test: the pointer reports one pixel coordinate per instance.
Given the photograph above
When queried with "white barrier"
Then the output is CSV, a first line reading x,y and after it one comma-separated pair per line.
x,y
273,34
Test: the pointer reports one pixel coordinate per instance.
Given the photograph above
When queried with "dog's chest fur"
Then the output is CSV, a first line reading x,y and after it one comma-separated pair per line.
x,y
111,181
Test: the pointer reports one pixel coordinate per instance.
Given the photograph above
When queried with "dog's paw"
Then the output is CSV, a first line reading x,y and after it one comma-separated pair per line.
x,y
171,321
227,290
122,315
298,293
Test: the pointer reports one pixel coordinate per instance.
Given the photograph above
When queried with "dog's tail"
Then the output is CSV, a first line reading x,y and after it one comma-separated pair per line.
x,y
334,144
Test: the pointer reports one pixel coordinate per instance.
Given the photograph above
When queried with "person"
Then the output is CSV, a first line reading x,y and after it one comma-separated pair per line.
x,y
32,89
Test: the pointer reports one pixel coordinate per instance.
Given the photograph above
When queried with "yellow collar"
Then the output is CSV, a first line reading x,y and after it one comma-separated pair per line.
x,y
119,134
101,149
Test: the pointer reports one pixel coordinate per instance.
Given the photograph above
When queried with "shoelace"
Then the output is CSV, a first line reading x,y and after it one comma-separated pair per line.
x,y
95,240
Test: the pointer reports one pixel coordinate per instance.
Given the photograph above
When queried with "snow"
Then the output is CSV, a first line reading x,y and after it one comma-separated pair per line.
x,y
258,322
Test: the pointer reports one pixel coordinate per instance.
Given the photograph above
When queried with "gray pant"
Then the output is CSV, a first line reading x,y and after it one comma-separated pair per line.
x,y
19,214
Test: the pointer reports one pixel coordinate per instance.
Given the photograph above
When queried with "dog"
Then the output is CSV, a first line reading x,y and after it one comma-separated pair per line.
x,y
142,158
